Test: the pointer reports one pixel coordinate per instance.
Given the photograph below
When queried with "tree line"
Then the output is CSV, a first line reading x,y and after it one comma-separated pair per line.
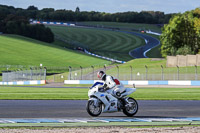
x,y
50,14
182,35
14,23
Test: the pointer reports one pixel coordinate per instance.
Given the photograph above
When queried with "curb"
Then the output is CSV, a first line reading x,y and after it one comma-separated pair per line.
x,y
100,121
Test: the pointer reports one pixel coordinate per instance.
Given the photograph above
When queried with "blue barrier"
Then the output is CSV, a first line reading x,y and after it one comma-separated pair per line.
x,y
86,81
157,82
31,82
195,83
143,82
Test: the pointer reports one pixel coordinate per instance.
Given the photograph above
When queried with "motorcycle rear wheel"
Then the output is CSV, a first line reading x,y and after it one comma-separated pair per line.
x,y
130,110
92,109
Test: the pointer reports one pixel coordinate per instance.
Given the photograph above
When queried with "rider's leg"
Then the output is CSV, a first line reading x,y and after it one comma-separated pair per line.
x,y
118,90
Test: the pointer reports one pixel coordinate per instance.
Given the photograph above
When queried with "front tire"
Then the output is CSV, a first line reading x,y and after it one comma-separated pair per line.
x,y
92,109
130,107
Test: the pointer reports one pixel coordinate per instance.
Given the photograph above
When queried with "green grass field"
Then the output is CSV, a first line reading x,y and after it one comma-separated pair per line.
x,y
104,42
138,66
126,26
18,50
154,70
81,94
154,53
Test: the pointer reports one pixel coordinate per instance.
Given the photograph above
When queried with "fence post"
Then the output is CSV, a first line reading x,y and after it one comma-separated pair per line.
x,y
70,72
45,73
117,71
177,71
40,73
131,72
15,75
81,72
105,68
36,73
93,72
195,72
31,73
146,71
162,78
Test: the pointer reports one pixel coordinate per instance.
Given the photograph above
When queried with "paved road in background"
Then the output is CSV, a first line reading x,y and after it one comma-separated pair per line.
x,y
140,52
76,108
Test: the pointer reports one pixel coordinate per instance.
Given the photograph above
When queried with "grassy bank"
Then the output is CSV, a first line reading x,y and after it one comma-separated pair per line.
x,y
126,26
81,93
107,43
21,51
154,53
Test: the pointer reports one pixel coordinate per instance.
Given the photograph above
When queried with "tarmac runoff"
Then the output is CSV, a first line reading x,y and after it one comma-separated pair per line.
x,y
85,122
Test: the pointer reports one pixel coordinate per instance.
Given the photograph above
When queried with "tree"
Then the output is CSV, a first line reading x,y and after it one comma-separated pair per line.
x,y
77,10
32,8
181,33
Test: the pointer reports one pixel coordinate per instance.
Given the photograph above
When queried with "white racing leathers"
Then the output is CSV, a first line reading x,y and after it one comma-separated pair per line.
x,y
114,85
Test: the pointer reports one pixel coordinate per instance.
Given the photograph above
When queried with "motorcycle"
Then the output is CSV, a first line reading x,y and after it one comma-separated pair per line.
x,y
101,101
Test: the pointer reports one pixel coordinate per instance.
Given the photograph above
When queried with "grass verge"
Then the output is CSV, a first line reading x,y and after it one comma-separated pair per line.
x,y
107,43
32,93
21,51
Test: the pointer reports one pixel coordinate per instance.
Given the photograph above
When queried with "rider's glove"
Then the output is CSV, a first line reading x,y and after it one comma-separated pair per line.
x,y
105,86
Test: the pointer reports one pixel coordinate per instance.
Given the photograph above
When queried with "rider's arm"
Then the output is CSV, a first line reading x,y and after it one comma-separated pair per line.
x,y
105,86
110,82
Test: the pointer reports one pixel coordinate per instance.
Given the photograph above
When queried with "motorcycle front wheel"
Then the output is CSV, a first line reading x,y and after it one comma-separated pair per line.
x,y
93,110
130,107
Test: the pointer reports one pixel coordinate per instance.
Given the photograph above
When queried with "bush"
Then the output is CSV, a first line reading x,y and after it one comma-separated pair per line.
x,y
184,50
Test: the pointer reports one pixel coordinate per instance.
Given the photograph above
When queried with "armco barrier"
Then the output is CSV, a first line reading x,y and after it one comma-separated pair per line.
x,y
32,82
110,59
141,82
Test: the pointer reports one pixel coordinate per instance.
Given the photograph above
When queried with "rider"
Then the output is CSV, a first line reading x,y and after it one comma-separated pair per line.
x,y
111,85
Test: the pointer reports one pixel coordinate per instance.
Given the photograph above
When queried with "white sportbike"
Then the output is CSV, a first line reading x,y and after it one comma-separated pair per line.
x,y
100,101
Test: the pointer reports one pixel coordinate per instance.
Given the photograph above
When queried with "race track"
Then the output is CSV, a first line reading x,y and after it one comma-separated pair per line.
x,y
140,52
76,109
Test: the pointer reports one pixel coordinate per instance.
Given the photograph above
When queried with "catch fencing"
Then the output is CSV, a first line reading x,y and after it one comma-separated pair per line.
x,y
131,73
24,75
59,74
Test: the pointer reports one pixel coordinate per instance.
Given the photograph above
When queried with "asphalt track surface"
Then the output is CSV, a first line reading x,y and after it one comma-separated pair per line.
x,y
140,52
76,109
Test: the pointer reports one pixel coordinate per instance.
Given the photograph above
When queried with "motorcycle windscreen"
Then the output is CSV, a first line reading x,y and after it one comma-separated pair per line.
x,y
97,83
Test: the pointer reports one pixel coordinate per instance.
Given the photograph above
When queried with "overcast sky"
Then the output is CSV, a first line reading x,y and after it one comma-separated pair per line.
x,y
110,6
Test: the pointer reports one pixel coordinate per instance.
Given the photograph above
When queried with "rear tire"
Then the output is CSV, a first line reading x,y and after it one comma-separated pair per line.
x,y
92,109
130,110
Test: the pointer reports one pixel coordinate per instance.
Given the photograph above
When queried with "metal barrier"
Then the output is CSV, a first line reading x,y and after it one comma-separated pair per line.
x,y
24,75
131,73
125,73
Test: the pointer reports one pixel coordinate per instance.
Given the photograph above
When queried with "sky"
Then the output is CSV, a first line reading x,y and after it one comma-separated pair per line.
x,y
109,6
